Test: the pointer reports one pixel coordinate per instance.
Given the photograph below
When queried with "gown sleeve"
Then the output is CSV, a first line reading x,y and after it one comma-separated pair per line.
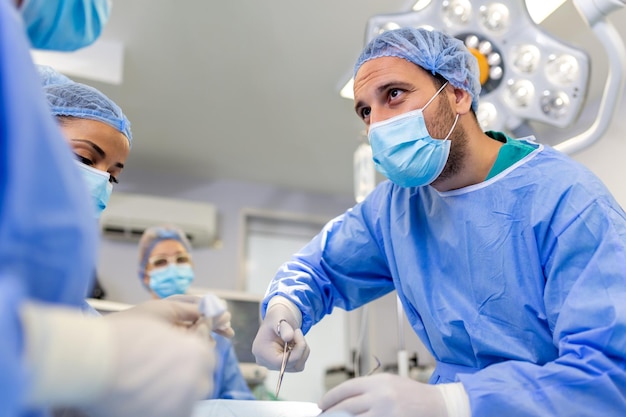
x,y
229,381
343,266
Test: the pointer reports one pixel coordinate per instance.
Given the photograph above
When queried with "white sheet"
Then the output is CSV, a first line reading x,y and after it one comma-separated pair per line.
x,y
240,408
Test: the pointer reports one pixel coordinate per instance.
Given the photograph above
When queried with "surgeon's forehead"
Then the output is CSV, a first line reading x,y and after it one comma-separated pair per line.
x,y
379,72
168,247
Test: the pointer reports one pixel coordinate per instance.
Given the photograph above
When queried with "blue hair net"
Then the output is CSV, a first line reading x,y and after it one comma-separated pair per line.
x,y
69,98
433,51
49,76
152,236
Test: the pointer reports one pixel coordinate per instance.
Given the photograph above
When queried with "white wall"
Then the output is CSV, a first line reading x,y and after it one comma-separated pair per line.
x,y
215,267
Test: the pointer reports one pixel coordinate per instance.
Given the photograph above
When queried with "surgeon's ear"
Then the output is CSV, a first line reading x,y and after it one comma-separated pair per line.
x,y
462,101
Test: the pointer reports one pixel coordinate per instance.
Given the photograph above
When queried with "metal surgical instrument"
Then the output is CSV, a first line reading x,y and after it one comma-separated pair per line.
x,y
286,353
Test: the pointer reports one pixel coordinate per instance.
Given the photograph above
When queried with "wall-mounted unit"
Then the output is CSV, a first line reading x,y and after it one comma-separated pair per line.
x,y
127,216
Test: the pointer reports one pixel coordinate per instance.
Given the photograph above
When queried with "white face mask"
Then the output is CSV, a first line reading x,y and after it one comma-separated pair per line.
x,y
99,186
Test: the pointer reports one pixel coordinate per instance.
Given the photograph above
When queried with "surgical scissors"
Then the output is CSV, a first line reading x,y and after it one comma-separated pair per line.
x,y
286,353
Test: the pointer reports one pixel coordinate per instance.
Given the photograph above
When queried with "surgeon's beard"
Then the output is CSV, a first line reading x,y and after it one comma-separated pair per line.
x,y
458,141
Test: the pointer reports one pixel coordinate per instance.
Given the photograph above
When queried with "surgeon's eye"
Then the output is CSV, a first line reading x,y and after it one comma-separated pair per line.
x,y
365,112
113,180
394,92
83,160
183,259
159,262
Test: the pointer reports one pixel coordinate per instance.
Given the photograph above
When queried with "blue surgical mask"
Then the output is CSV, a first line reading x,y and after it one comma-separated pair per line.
x,y
99,186
64,25
404,151
170,280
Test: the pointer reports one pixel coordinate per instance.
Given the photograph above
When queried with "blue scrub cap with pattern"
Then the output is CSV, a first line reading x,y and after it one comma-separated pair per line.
x,y
154,235
50,76
433,51
69,98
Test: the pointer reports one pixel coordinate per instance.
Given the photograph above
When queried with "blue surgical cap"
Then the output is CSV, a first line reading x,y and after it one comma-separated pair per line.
x,y
69,98
50,76
152,236
433,51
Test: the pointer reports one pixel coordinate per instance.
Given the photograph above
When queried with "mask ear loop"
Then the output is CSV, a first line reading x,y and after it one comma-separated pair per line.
x,y
456,119
436,94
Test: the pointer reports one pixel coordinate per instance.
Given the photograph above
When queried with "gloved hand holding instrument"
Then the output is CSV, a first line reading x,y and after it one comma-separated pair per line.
x,y
279,343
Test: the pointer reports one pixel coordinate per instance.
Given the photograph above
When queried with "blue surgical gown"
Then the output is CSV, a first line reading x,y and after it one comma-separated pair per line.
x,y
47,236
516,285
228,381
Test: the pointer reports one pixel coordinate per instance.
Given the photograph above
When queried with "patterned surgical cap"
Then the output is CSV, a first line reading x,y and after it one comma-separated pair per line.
x,y
69,98
433,51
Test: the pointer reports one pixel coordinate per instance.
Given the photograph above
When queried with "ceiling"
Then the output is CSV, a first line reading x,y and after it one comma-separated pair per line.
x,y
248,90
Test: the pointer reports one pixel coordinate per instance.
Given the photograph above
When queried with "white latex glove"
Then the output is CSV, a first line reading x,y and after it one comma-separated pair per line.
x,y
212,312
180,312
387,395
281,325
118,365
213,307
160,371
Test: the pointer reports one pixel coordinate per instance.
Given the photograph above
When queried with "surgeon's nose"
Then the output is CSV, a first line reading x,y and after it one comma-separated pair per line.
x,y
101,167
379,116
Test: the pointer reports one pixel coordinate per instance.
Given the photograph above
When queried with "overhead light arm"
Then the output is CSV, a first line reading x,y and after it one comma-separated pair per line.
x,y
595,12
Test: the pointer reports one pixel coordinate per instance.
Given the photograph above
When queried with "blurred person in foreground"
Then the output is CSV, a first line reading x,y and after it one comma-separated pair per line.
x,y
52,355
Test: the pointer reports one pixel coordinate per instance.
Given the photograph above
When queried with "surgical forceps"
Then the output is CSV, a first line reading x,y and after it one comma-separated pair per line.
x,y
286,353
372,371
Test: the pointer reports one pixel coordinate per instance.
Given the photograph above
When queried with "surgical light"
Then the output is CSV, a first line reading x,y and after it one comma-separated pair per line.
x,y
389,26
554,103
526,58
456,12
519,93
562,70
495,17
517,59
486,115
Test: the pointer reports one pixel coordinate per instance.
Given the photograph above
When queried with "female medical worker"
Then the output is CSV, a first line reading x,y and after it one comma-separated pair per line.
x,y
98,133
51,354
166,269
96,129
